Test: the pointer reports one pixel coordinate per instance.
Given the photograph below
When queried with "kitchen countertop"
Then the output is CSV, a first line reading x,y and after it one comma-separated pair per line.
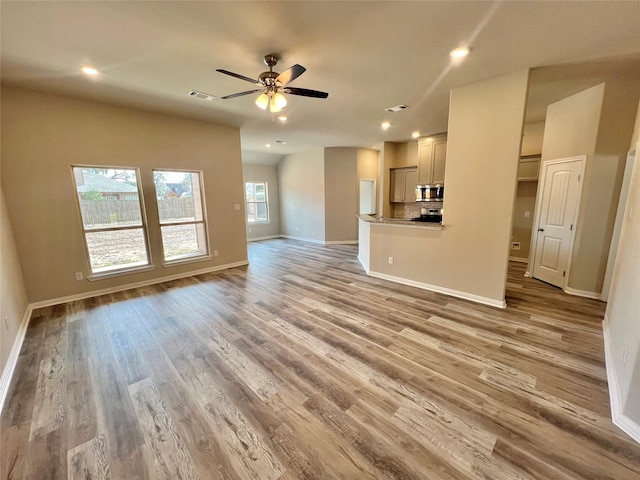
x,y
399,222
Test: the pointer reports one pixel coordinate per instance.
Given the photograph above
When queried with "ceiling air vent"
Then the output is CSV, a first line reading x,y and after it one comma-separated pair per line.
x,y
397,108
202,95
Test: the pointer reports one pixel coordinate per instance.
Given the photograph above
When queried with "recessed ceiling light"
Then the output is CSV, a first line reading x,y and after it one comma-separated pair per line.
x,y
282,118
385,125
268,145
415,134
460,52
89,70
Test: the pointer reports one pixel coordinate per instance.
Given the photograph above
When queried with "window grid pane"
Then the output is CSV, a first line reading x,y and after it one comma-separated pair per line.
x,y
109,200
180,201
256,202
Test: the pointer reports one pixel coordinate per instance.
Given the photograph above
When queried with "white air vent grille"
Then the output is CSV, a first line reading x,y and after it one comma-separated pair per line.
x,y
397,108
202,95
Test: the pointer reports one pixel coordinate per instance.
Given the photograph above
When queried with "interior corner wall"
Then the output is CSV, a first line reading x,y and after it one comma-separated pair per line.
x,y
341,194
598,123
622,317
13,294
470,255
264,173
301,183
43,135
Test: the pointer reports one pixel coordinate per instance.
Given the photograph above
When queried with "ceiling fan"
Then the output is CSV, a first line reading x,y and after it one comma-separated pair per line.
x,y
273,85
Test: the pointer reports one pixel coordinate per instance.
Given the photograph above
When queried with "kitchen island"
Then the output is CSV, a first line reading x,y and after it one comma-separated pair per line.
x,y
419,254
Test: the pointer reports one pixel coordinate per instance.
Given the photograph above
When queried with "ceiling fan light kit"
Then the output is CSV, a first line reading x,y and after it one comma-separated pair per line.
x,y
273,85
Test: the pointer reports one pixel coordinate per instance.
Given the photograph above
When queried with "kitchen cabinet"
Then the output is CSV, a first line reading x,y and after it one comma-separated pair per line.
x,y
432,157
403,183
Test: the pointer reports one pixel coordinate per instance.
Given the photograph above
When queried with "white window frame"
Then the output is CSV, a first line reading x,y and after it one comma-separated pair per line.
x,y
266,202
203,222
143,218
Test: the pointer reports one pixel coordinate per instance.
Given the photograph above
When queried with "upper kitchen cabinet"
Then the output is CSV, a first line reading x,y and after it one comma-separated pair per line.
x,y
432,157
403,183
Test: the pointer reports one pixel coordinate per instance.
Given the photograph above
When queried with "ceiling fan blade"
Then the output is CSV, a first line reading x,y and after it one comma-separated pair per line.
x,y
237,75
290,74
240,94
305,92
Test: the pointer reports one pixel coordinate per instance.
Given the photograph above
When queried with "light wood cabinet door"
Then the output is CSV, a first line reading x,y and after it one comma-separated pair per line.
x,y
410,182
439,160
432,157
425,162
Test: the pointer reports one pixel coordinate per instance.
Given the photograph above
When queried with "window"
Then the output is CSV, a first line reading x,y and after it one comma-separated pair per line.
x,y
112,221
257,206
182,220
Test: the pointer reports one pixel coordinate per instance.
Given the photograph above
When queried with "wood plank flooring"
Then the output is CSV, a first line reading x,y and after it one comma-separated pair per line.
x,y
302,367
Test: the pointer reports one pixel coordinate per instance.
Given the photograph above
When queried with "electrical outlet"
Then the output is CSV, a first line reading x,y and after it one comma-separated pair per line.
x,y
215,253
6,323
624,356
390,260
236,206
515,245
527,214
79,276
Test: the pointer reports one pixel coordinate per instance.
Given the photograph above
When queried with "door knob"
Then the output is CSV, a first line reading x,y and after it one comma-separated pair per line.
x,y
541,229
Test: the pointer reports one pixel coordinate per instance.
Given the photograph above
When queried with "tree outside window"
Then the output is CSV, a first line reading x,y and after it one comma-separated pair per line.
x,y
257,205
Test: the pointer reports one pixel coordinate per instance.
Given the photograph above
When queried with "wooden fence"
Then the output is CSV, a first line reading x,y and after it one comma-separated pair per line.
x,y
127,212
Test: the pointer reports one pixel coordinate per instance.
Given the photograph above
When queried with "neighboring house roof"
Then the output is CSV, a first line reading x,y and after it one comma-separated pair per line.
x,y
94,181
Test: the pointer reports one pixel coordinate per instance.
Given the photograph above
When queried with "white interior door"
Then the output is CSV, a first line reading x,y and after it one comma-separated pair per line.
x,y
557,214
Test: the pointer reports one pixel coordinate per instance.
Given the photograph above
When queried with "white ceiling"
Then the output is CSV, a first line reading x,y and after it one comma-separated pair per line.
x,y
367,55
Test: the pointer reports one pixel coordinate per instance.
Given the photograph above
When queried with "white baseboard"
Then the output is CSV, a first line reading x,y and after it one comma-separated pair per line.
x,y
528,274
268,237
12,360
303,239
341,242
582,293
627,425
447,291
129,286
519,259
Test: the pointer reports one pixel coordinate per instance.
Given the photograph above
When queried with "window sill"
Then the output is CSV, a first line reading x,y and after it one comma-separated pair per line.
x,y
116,273
258,223
182,261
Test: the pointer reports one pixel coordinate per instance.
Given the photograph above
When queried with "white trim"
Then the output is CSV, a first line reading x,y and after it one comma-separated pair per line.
x,y
582,293
128,286
268,237
341,242
447,291
12,361
364,266
519,259
303,239
627,425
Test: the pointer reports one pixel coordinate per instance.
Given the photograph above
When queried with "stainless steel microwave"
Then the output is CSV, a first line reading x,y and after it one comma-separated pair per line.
x,y
430,193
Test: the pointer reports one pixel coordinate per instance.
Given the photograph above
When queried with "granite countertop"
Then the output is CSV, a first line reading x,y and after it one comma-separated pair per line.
x,y
400,222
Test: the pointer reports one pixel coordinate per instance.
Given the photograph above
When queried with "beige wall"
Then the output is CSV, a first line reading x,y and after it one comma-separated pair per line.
x,y
269,174
522,225
341,194
43,135
301,183
369,168
622,315
13,294
532,137
597,123
471,254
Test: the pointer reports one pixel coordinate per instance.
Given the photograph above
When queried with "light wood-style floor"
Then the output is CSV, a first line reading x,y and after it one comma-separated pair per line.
x,y
302,367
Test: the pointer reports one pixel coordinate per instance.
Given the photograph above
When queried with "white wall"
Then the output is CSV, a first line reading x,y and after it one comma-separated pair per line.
x,y
471,254
622,318
301,182
269,174
13,295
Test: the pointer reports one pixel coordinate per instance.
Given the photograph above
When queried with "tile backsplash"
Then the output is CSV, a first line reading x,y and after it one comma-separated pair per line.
x,y
411,210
